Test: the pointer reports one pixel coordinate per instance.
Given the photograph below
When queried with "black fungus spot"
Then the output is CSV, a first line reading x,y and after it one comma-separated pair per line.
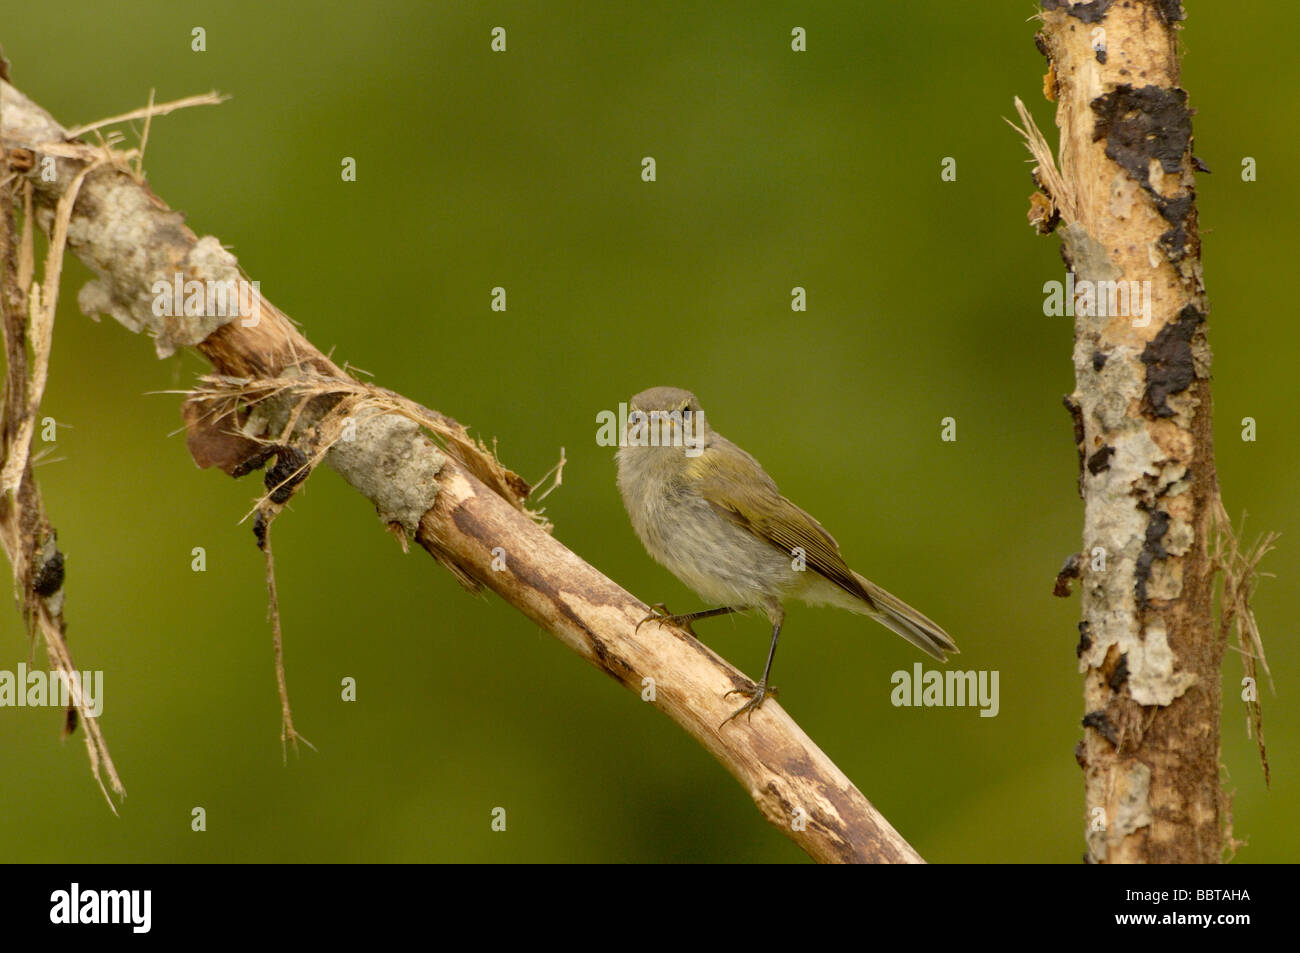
x,y
1171,368
290,469
259,529
1099,359
1152,549
255,462
1175,211
1101,56
1100,460
1098,721
1144,124
1118,676
1141,124
1085,640
1076,416
49,577
1092,12
1171,11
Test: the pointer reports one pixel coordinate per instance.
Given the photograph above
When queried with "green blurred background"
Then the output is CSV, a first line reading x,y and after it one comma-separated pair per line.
x,y
522,169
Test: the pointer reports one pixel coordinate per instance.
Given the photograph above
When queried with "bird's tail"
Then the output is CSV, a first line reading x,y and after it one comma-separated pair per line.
x,y
907,622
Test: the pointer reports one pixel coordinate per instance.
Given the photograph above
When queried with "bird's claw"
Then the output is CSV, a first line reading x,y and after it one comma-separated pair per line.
x,y
659,613
757,694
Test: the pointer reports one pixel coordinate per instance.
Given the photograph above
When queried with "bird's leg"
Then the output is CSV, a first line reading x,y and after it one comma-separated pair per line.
x,y
758,693
661,615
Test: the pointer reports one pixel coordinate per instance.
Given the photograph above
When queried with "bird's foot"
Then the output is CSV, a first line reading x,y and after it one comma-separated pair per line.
x,y
757,694
659,613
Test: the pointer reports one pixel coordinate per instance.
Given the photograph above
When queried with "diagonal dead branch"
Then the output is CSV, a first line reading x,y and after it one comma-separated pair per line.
x,y
455,500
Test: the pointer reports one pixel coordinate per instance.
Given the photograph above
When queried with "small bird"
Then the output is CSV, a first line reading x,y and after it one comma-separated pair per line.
x,y
707,511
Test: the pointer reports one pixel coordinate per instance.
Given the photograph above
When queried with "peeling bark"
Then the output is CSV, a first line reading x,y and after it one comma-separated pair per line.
x,y
1125,193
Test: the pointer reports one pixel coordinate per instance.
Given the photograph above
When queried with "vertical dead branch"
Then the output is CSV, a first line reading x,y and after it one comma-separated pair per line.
x,y
25,532
1124,196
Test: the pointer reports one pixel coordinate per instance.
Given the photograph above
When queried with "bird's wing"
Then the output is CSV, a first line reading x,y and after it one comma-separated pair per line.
x,y
739,490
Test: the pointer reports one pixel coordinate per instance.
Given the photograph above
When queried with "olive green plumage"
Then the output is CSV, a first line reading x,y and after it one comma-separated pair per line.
x,y
707,510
